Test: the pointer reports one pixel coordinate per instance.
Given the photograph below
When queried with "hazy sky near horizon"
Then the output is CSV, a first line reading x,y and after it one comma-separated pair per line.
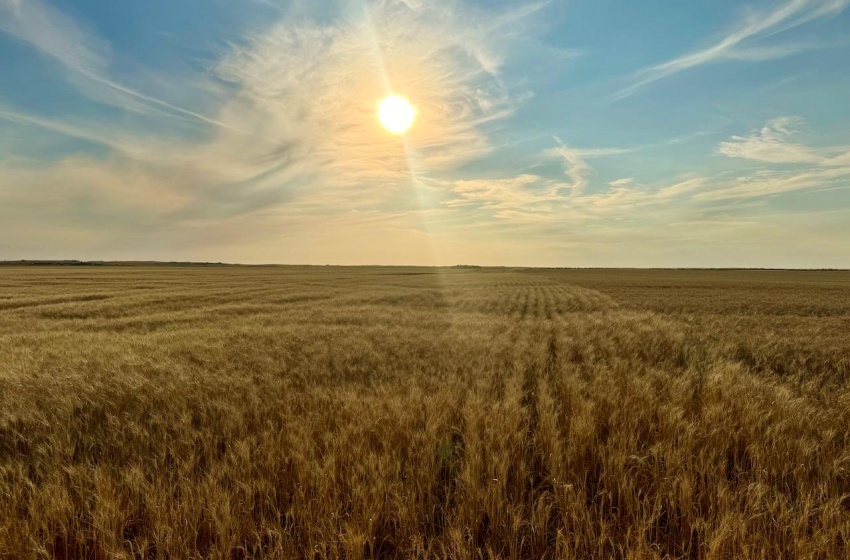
x,y
549,133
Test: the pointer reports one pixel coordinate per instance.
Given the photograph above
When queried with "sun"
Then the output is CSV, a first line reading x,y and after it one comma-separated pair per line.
x,y
396,114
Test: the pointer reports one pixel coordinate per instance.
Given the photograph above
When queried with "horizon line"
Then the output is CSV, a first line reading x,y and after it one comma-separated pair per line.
x,y
76,262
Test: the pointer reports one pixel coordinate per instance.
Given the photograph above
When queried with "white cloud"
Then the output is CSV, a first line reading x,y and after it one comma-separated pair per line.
x,y
578,171
84,55
530,198
771,144
623,199
295,139
522,198
533,199
289,154
319,85
681,188
760,53
766,184
54,34
822,167
738,44
73,130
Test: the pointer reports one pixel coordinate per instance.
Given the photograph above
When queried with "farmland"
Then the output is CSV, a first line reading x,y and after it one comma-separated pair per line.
x,y
327,412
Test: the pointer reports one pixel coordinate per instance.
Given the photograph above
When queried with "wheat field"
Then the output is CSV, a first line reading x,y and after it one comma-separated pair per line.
x,y
324,412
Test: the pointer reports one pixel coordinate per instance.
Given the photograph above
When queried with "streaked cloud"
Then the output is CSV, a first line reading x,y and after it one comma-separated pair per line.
x,y
625,182
578,171
318,86
534,198
823,167
772,183
84,55
267,148
55,35
742,43
772,144
530,198
296,135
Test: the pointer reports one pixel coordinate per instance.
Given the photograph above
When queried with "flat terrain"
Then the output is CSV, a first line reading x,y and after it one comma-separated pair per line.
x,y
295,412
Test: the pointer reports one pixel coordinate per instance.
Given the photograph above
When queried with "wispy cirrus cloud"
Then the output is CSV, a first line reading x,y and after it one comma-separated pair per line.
x,y
814,167
294,134
768,183
524,198
534,199
84,55
320,84
64,127
530,198
55,34
742,43
270,151
773,143
624,182
576,166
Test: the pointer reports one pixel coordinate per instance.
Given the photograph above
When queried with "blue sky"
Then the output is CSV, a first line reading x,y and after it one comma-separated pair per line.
x,y
559,133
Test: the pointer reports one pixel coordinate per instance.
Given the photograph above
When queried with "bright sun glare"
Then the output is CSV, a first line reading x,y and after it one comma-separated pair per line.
x,y
396,114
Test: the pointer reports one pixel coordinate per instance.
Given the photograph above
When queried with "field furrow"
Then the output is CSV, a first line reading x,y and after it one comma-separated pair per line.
x,y
289,412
